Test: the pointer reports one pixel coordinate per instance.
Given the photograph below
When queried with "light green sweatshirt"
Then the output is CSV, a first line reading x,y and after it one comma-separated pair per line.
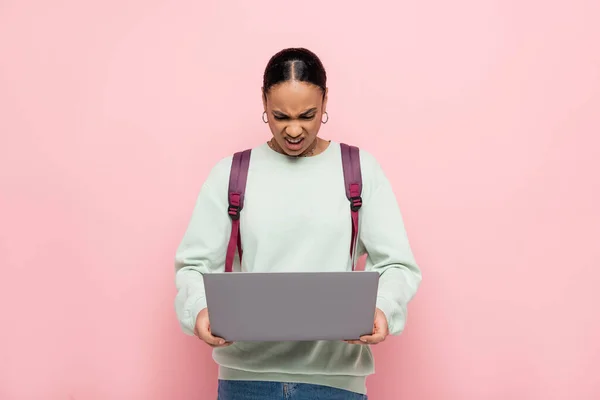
x,y
296,217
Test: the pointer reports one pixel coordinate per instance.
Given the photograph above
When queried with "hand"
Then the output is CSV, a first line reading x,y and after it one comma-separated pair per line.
x,y
380,330
202,330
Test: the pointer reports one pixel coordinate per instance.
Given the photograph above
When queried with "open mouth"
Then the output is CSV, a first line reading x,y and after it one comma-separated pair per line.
x,y
294,144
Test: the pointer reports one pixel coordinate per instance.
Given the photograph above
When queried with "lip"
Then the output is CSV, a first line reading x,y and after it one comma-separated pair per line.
x,y
294,146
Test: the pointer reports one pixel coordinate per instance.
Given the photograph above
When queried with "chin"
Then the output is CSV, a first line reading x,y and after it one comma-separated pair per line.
x,y
295,152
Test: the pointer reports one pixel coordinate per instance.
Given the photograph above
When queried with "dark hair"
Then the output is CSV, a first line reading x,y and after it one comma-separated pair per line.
x,y
297,64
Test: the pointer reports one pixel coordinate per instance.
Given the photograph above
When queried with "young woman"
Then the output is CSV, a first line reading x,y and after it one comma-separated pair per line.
x,y
296,218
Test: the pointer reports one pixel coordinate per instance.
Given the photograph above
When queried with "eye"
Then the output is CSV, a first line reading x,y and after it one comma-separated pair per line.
x,y
285,117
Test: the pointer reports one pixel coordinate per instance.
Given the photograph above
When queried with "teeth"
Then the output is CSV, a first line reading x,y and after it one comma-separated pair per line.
x,y
294,141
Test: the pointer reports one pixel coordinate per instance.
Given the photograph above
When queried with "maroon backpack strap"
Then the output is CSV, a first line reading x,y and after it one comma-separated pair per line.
x,y
353,184
237,188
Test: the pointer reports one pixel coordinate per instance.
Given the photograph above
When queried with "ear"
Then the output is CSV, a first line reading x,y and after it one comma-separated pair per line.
x,y
325,95
264,98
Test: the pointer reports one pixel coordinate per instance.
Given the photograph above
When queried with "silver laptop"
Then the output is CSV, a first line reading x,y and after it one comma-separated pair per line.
x,y
291,306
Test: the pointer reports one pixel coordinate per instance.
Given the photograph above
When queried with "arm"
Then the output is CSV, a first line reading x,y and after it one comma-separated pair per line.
x,y
202,250
383,237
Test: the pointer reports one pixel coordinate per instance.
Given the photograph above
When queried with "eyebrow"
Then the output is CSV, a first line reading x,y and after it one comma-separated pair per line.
x,y
303,114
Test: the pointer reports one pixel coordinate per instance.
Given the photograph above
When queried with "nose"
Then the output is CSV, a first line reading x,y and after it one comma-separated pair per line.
x,y
294,130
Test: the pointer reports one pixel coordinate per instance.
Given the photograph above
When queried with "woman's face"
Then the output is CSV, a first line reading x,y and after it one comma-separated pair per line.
x,y
294,111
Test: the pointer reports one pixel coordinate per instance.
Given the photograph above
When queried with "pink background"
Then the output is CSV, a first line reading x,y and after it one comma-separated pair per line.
x,y
485,115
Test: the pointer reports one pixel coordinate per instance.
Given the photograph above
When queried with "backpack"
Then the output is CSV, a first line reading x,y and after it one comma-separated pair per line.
x,y
237,188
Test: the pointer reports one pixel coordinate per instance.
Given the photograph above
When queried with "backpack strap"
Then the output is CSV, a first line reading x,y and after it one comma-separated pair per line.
x,y
353,184
237,188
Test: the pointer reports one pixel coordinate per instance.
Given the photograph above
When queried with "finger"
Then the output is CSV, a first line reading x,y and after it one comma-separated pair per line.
x,y
217,342
373,339
354,342
221,345
211,340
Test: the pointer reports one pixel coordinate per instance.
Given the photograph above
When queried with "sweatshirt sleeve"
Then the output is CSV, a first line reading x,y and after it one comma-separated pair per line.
x,y
202,250
384,239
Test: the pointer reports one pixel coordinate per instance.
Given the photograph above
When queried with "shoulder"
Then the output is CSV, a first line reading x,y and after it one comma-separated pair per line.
x,y
218,176
371,170
368,161
369,165
219,173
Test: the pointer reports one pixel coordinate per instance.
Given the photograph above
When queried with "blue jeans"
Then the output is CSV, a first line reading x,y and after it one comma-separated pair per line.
x,y
259,390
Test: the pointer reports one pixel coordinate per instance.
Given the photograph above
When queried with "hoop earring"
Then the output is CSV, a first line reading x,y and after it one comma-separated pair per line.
x,y
326,114
264,117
